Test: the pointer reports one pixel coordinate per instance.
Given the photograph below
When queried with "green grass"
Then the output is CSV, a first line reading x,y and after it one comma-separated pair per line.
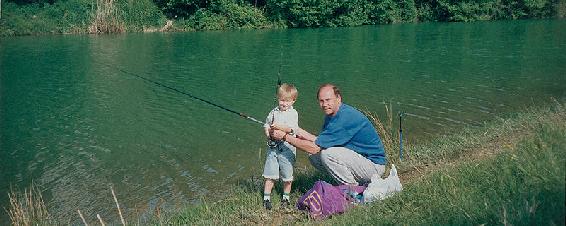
x,y
509,171
519,180
522,186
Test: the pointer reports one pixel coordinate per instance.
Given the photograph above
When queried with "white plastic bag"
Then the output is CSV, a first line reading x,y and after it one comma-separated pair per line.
x,y
380,189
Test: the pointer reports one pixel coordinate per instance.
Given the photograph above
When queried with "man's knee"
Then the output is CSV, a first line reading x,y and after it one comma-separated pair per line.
x,y
330,154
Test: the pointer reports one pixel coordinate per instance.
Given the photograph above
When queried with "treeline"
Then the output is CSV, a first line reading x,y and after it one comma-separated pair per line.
x,y
81,16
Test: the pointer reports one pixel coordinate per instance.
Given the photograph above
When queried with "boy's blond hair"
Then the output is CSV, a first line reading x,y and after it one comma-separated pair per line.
x,y
287,91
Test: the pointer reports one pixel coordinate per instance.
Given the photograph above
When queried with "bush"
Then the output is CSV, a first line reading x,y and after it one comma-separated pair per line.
x,y
351,13
206,20
140,14
60,17
472,10
384,12
226,14
239,16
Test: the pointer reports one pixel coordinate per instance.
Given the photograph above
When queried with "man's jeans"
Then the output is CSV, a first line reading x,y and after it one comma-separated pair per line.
x,y
346,166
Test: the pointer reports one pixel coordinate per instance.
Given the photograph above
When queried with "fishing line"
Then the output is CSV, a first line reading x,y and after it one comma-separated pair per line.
x,y
188,94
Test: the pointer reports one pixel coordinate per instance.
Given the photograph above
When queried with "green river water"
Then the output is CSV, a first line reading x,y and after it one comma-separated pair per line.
x,y
75,121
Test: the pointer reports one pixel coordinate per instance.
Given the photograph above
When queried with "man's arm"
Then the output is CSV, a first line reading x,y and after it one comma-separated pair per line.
x,y
301,133
303,144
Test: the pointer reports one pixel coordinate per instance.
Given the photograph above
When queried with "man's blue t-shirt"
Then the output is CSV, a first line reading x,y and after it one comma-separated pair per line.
x,y
351,129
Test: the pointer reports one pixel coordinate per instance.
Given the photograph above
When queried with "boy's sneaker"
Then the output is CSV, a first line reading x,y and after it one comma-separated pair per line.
x,y
285,204
267,204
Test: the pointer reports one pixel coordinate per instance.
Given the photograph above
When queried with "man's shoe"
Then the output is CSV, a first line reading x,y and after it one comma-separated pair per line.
x,y
267,204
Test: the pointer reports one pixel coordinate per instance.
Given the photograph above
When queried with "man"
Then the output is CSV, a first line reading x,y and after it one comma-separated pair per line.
x,y
348,147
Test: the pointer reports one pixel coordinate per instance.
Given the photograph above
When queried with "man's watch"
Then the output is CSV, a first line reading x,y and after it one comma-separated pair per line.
x,y
292,133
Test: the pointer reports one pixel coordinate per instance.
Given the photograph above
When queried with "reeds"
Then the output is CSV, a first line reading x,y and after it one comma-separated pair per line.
x,y
28,208
106,18
98,215
389,136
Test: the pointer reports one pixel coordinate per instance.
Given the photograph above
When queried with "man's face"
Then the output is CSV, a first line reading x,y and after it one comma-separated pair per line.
x,y
328,101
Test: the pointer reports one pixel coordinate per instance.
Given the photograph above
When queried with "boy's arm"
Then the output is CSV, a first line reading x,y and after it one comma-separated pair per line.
x,y
266,129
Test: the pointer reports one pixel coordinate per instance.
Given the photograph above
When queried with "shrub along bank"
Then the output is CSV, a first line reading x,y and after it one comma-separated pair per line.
x,y
20,17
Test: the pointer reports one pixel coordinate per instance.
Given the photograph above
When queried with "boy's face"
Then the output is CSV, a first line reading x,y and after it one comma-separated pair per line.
x,y
285,103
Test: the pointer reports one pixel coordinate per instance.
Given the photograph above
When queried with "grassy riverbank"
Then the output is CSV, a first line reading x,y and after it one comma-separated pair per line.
x,y
509,171
25,17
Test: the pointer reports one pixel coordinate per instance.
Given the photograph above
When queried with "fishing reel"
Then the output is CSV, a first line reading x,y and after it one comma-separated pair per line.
x,y
271,143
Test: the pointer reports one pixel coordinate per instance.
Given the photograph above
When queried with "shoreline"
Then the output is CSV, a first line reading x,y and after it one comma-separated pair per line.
x,y
87,17
497,146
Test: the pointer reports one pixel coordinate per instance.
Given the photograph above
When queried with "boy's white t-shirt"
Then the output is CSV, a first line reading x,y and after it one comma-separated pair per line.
x,y
289,117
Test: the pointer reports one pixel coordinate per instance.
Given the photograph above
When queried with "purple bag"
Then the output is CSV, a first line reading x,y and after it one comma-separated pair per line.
x,y
323,199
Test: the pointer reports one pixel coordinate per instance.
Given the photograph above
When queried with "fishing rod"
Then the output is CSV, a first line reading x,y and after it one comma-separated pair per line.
x,y
401,114
280,65
271,143
188,94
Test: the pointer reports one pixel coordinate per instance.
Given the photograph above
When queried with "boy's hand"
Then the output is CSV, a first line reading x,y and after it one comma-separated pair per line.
x,y
268,132
278,134
283,128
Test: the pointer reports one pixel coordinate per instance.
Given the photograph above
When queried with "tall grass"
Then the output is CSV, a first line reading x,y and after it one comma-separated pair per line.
x,y
106,18
389,136
28,208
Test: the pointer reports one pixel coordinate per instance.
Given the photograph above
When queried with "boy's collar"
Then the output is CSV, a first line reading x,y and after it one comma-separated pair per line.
x,y
290,107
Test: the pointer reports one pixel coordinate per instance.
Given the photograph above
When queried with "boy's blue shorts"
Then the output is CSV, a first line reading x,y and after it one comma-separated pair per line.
x,y
279,162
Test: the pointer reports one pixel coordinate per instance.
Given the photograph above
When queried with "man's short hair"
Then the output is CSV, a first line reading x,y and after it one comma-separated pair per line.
x,y
334,88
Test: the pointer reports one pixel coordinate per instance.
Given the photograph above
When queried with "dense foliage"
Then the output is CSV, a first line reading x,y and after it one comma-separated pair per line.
x,y
60,16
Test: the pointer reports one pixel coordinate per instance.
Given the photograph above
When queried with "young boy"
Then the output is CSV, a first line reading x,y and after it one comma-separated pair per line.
x,y
280,155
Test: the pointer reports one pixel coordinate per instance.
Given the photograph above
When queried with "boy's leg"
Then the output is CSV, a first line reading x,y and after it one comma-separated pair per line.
x,y
267,189
285,199
286,162
286,190
270,173
269,183
267,193
287,187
